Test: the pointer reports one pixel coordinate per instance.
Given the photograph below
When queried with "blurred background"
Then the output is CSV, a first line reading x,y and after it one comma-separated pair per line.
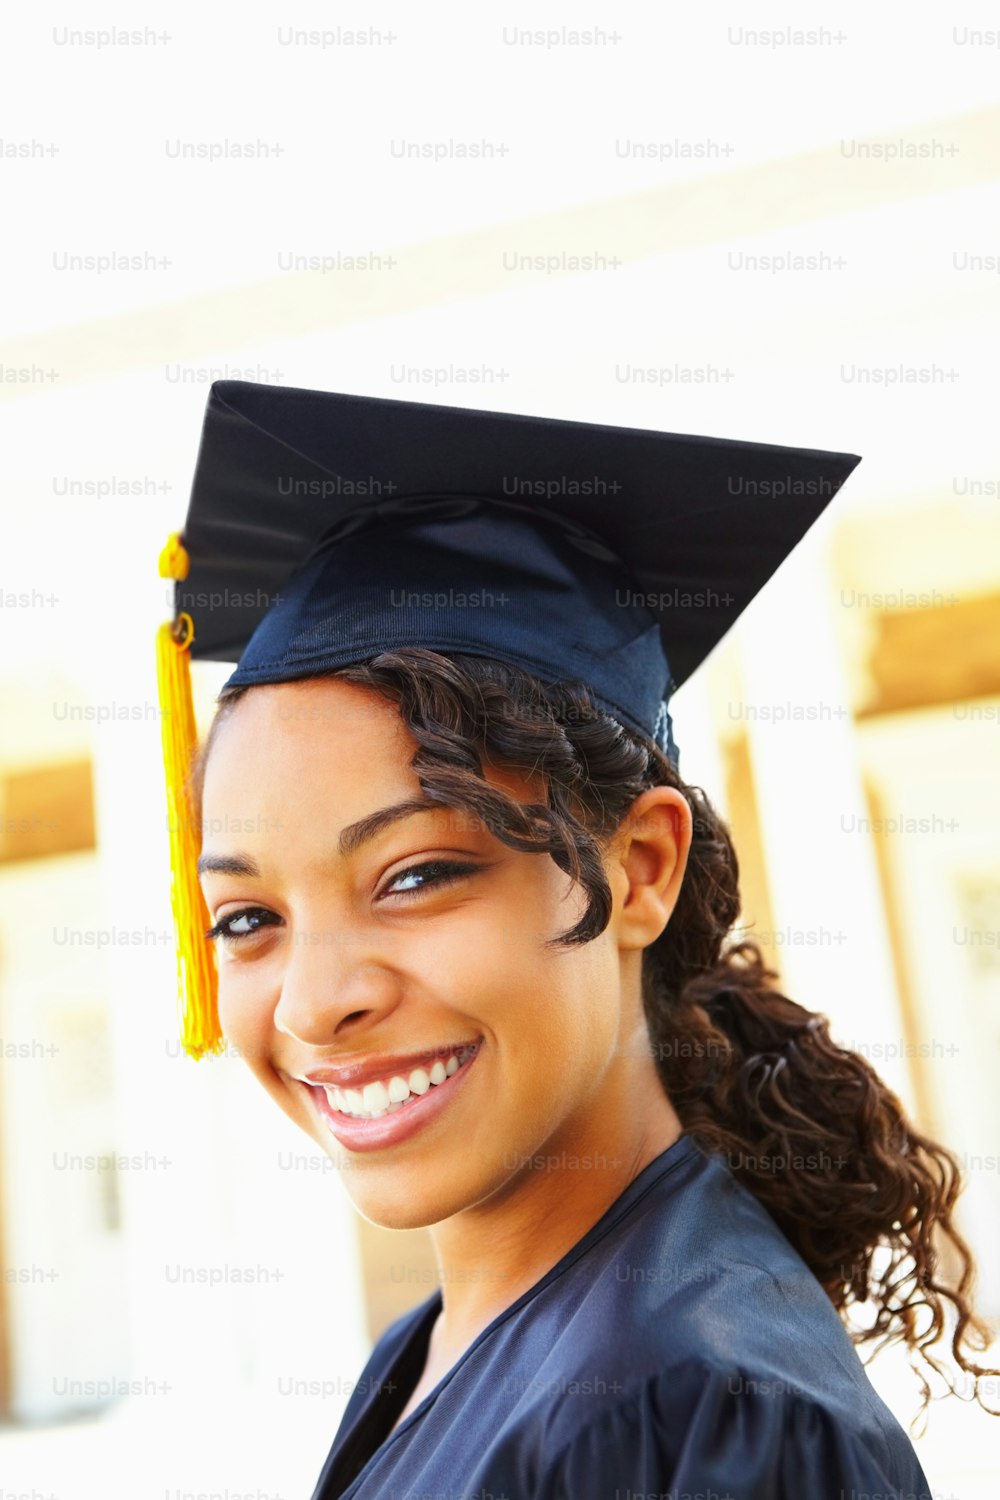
x,y
773,225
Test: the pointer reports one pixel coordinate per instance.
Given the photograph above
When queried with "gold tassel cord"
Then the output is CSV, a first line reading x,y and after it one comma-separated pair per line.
x,y
197,980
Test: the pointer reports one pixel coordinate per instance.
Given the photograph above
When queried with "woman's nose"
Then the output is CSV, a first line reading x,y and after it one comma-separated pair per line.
x,y
332,976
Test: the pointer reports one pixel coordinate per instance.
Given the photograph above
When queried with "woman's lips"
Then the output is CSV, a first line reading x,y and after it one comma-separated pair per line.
x,y
381,1066
390,1129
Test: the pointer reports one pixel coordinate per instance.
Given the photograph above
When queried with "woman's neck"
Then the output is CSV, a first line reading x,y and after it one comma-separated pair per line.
x,y
490,1254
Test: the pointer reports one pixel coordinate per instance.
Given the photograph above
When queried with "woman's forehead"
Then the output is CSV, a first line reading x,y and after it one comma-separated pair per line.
x,y
295,729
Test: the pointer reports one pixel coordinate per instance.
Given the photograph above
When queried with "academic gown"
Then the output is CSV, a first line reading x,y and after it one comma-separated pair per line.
x,y
681,1349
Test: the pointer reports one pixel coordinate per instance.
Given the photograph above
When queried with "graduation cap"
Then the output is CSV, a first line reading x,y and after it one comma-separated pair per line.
x,y
324,528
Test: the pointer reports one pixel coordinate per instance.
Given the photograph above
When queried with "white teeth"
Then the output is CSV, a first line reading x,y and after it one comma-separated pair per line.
x,y
377,1099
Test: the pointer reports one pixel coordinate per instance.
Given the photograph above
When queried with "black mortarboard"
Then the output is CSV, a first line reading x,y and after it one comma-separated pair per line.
x,y
324,528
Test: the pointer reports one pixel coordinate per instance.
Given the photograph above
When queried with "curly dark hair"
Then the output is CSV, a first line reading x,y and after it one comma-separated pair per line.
x,y
806,1125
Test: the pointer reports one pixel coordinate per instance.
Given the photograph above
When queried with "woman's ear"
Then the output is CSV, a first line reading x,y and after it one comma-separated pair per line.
x,y
649,856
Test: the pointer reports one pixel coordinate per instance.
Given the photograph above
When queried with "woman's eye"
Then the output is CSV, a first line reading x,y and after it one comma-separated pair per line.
x,y
435,872
252,919
242,924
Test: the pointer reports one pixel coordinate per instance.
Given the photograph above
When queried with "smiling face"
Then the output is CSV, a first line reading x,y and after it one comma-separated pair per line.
x,y
348,953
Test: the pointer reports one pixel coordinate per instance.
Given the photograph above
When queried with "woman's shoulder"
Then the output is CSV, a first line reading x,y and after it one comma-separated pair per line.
x,y
694,1285
695,1265
693,1331
710,1426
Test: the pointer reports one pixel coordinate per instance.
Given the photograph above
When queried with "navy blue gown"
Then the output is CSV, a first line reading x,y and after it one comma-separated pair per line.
x,y
681,1348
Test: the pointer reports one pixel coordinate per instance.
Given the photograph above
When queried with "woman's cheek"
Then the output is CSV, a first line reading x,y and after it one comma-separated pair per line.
x,y
246,1015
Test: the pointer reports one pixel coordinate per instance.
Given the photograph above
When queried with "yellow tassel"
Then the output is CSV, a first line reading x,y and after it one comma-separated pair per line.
x,y
197,980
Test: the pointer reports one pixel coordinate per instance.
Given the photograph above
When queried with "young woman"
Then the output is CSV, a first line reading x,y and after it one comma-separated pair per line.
x,y
475,945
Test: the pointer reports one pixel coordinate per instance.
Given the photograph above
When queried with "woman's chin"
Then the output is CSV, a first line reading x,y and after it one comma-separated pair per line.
x,y
396,1205
412,1195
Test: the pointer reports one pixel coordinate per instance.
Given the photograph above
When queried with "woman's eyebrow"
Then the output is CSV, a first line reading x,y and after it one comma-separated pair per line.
x,y
356,834
227,864
351,838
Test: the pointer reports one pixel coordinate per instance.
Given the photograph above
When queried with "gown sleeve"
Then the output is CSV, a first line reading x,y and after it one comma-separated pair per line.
x,y
716,1435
